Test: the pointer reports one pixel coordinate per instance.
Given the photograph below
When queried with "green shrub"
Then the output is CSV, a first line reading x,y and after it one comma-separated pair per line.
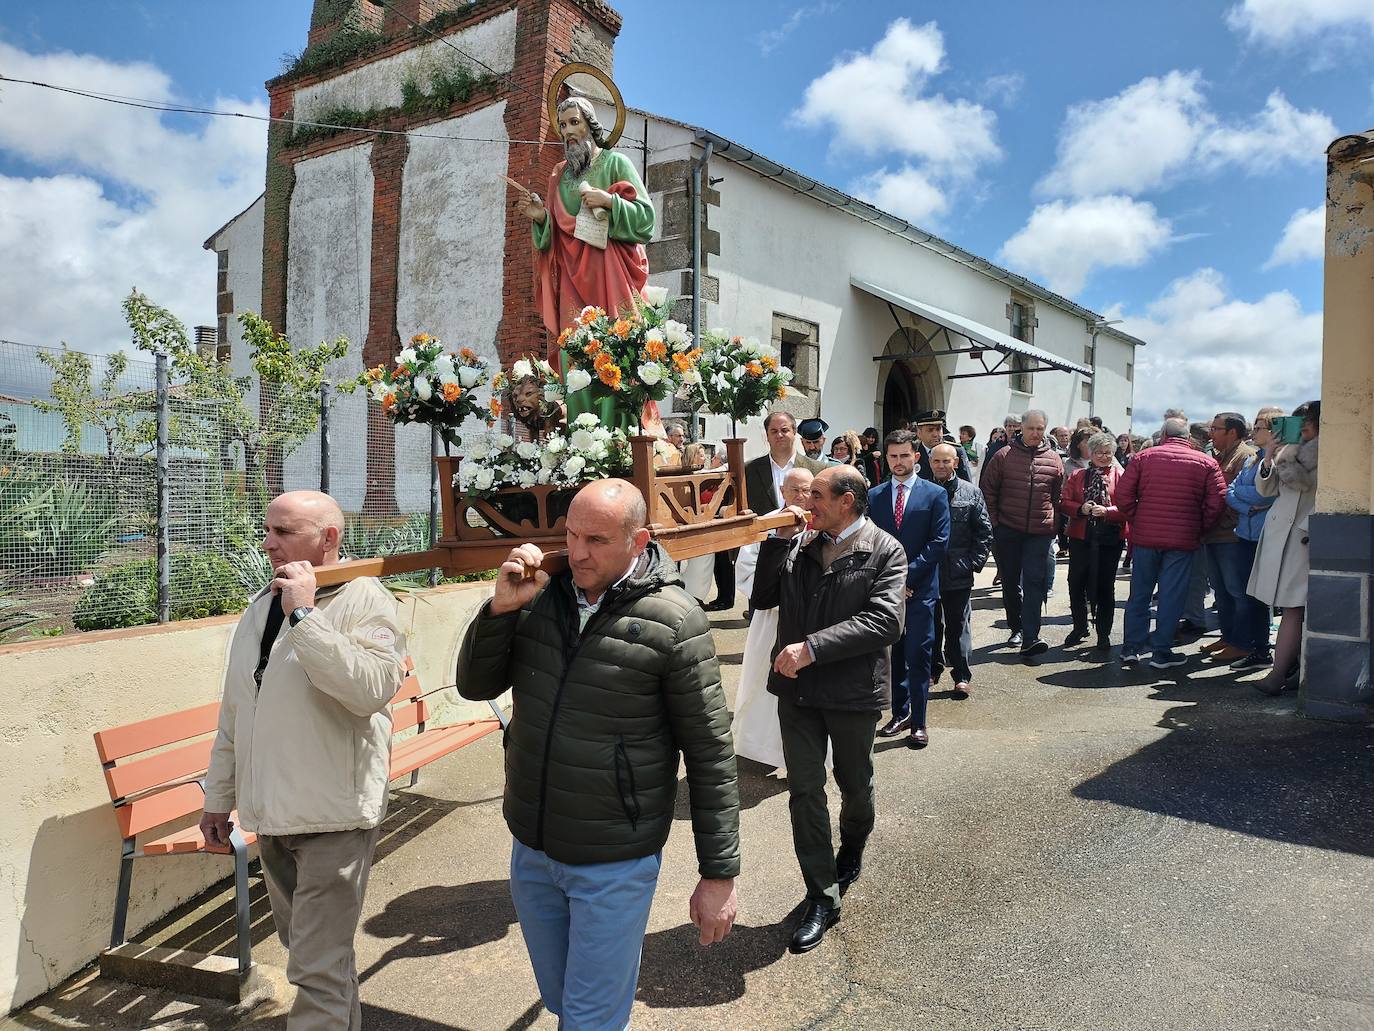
x,y
200,584
440,88
53,527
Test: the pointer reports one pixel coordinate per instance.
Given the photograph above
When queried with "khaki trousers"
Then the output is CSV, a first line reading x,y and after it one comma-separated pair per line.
x,y
316,883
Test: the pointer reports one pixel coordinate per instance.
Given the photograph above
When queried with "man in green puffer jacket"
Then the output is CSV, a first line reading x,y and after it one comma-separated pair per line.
x,y
613,676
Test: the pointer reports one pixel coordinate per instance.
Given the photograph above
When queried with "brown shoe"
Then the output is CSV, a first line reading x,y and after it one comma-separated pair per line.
x,y
962,690
1213,646
1228,654
918,739
895,726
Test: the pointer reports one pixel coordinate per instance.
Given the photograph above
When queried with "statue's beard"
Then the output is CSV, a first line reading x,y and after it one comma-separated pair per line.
x,y
579,154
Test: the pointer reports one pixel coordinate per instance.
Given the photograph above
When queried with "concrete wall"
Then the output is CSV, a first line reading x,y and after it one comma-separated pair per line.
x,y
60,847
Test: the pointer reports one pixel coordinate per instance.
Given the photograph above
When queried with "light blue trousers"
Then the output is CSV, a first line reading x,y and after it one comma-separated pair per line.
x,y
584,929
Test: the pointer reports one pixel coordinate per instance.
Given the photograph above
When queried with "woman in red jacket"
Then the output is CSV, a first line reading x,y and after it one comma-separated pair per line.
x,y
1095,533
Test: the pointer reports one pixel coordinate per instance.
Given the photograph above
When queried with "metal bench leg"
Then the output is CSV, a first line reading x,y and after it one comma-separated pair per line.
x,y
126,877
242,922
500,716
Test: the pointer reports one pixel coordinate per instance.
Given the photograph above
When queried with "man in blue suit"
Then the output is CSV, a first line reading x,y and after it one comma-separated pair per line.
x,y
916,512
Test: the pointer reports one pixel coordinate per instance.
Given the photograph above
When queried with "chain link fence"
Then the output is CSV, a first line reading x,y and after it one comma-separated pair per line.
x,y
92,536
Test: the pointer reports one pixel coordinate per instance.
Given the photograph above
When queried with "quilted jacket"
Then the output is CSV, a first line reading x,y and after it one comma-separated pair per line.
x,y
1171,495
1022,487
600,718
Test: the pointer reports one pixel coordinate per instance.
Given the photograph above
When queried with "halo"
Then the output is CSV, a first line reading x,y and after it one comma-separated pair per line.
x,y
569,70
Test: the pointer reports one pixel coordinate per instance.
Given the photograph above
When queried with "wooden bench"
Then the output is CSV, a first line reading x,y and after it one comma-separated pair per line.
x,y
155,772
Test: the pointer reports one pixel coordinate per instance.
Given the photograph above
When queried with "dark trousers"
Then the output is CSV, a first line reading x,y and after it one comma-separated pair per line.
x,y
1244,621
911,660
953,635
806,733
725,575
1023,558
1092,583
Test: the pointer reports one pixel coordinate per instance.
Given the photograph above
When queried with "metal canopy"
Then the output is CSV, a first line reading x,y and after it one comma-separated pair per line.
x,y
979,337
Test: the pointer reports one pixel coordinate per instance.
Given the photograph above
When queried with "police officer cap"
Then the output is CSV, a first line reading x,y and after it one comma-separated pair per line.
x,y
932,416
812,429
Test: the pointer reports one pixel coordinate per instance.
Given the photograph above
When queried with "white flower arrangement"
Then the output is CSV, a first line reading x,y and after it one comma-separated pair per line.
x,y
588,451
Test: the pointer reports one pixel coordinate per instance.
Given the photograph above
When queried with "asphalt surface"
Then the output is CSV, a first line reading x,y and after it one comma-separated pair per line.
x,y
1078,848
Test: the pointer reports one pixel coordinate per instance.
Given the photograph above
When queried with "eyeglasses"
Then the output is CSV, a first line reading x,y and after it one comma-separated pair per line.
x,y
1261,424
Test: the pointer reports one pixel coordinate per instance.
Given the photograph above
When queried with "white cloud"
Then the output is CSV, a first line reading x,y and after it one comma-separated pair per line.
x,y
907,193
1002,89
875,102
1304,238
122,198
1064,242
1210,352
771,39
1284,21
1160,129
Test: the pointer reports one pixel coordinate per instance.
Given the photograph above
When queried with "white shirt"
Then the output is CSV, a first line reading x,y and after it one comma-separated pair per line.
x,y
779,474
850,530
906,495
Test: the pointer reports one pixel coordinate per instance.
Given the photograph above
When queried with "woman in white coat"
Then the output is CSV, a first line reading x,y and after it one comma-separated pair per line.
x,y
1279,574
755,727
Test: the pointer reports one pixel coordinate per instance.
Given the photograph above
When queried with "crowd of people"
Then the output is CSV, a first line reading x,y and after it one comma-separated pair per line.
x,y
857,608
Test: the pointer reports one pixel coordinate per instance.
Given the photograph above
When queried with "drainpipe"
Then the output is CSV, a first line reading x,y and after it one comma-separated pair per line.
x,y
697,165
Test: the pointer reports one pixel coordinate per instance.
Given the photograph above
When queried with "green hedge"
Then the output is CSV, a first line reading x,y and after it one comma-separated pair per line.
x,y
201,584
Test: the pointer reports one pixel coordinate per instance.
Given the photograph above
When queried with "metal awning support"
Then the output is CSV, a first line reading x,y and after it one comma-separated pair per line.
x,y
981,339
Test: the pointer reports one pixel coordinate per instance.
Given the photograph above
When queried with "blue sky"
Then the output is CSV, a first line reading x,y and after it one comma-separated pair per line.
x,y
1146,160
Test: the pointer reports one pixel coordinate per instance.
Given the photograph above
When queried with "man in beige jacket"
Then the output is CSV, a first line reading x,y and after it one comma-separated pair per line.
x,y
304,750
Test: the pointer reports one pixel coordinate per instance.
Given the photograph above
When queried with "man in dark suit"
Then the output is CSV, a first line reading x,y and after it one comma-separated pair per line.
x,y
916,512
929,427
763,475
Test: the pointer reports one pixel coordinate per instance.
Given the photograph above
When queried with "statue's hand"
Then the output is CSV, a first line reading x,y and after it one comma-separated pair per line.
x,y
594,198
533,208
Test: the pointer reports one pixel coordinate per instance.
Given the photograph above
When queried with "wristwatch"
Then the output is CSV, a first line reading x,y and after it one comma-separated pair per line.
x,y
299,614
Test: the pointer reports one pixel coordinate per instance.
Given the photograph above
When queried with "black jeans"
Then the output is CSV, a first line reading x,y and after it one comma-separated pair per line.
x,y
1022,561
725,575
953,635
1092,582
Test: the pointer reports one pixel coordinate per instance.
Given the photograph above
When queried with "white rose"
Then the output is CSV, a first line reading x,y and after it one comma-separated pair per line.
x,y
586,421
654,334
503,441
544,475
650,373
598,451
422,388
601,434
545,368
549,459
692,377
554,445
719,381
655,295
378,391
478,449
675,333
577,379
484,479
443,363
406,357
552,392
581,439
573,467
527,479
737,373
468,376
445,378
521,369
527,450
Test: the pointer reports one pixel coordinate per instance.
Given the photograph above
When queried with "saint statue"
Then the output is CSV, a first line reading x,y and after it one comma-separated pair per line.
x,y
589,241
528,415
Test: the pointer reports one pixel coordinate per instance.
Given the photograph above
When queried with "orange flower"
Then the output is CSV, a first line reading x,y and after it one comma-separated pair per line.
x,y
563,336
610,375
590,316
769,362
495,405
452,391
682,362
602,361
782,392
753,368
735,340
388,402
375,373
468,354
593,347
655,349
403,370
694,354
621,328
419,338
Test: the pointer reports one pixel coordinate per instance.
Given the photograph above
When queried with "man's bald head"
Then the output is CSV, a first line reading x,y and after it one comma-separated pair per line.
x,y
944,461
605,533
303,526
619,497
796,487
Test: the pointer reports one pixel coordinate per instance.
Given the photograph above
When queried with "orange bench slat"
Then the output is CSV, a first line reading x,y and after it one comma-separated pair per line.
x,y
143,814
422,749
119,742
408,691
403,717
191,840
175,764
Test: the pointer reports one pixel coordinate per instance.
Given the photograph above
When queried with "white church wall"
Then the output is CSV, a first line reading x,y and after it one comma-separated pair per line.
x,y
329,274
378,84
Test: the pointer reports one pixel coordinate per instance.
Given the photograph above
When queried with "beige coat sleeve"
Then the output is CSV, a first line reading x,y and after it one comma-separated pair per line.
x,y
354,653
220,793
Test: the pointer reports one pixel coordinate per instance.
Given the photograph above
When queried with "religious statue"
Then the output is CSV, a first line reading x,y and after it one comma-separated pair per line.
x,y
589,240
528,416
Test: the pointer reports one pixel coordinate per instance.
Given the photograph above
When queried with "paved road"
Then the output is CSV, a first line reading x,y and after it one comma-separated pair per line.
x,y
1078,848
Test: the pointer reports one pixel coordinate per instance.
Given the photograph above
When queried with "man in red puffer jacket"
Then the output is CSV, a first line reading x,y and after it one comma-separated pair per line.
x,y
1170,495
1021,484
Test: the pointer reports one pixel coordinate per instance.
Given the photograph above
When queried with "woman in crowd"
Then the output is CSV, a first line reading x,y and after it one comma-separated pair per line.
x,y
870,458
1279,575
1251,507
1124,448
847,449
1095,540
1078,450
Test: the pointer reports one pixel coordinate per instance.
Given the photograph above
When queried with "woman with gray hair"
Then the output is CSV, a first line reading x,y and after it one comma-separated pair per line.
x,y
1095,531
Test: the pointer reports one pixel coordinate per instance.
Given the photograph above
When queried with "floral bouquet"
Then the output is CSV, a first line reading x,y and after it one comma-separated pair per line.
x,y
588,451
738,377
430,385
639,355
529,368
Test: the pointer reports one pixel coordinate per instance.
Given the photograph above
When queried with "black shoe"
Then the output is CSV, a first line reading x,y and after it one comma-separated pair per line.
x,y
1255,660
1036,647
849,863
895,726
1187,628
818,918
720,605
1014,641
1078,636
1104,642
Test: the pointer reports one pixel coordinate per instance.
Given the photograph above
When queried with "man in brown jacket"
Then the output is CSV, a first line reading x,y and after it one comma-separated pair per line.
x,y
1227,559
1021,484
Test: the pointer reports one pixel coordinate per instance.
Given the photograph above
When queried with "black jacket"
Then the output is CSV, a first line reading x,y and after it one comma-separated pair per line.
x,y
923,469
970,537
599,720
758,480
850,616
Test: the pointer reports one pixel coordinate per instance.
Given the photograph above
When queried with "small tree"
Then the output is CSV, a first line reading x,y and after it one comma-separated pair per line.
x,y
216,413
81,403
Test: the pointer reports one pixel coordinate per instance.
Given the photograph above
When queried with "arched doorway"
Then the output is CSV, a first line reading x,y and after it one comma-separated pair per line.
x,y
907,386
901,399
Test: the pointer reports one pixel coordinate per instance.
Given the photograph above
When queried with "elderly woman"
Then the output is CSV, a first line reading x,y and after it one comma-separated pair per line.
x,y
1279,575
1251,507
846,448
1095,540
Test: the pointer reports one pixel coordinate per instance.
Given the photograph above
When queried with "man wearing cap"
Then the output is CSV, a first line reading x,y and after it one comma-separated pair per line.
x,y
930,432
812,433
763,475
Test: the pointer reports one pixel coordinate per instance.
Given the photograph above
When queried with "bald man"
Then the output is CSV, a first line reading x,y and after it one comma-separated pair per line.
x,y
304,750
613,676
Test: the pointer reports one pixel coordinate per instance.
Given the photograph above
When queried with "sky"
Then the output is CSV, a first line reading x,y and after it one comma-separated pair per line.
x,y
1160,163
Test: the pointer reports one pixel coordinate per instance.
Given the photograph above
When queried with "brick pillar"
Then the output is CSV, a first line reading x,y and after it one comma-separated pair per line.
x,y
276,234
327,17
383,340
